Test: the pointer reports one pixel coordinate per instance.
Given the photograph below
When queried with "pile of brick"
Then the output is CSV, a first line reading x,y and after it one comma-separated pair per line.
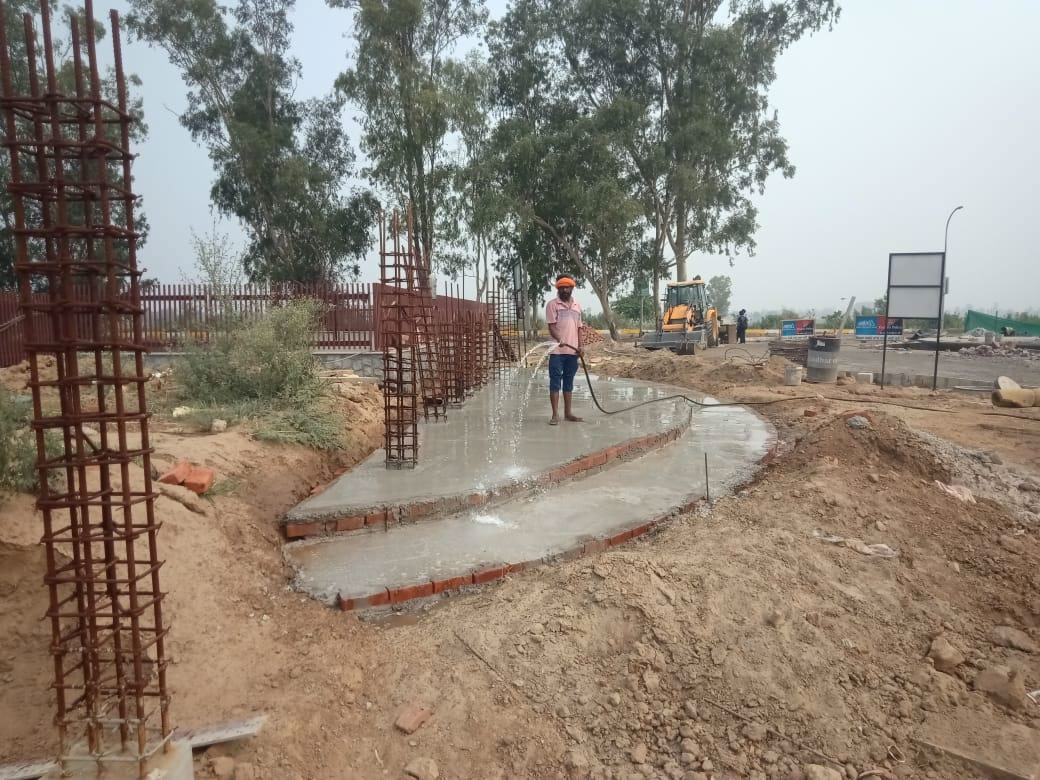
x,y
198,479
589,336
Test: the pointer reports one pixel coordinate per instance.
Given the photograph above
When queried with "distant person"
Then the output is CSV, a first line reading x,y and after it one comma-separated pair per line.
x,y
742,327
563,316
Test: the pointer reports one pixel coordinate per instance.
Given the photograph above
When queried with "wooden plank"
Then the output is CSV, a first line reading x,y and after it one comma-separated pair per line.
x,y
228,731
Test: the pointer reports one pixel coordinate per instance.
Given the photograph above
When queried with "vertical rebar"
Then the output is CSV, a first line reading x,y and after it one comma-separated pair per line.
x,y
74,196
400,364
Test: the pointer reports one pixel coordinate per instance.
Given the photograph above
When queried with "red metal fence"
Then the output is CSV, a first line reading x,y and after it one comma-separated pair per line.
x,y
175,315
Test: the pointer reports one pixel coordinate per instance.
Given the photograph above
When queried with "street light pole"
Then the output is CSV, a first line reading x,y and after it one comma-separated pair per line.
x,y
942,299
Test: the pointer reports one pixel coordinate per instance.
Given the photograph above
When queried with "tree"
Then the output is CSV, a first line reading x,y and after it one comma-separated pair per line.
x,y
832,320
13,12
475,210
412,93
281,163
636,304
217,263
686,86
559,166
719,291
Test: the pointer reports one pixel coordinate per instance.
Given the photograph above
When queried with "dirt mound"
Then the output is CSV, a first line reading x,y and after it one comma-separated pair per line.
x,y
883,443
16,378
737,369
223,570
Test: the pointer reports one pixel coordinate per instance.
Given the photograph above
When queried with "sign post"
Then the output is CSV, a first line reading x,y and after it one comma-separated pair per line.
x,y
915,291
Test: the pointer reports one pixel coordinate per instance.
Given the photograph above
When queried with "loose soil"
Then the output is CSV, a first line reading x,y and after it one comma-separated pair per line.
x,y
735,642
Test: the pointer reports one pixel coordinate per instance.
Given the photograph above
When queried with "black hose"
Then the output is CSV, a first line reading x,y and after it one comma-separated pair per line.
x,y
588,380
686,398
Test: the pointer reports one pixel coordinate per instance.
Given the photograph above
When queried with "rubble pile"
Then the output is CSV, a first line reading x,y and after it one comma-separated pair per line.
x,y
997,350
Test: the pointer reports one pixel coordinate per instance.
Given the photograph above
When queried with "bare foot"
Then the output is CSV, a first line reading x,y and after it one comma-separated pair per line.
x,y
573,418
555,420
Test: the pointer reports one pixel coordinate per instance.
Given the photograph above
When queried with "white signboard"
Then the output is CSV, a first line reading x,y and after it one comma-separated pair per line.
x,y
915,285
914,302
914,269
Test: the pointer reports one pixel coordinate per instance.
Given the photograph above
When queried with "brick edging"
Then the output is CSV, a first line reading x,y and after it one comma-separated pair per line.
x,y
381,518
486,574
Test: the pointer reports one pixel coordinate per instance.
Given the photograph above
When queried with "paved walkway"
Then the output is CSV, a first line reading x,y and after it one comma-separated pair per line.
x,y
499,437
583,515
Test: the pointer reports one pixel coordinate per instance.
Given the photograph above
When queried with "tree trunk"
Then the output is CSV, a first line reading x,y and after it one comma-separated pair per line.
x,y
482,253
608,313
680,242
657,292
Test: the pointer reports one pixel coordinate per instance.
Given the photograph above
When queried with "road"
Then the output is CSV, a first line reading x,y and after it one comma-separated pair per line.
x,y
951,364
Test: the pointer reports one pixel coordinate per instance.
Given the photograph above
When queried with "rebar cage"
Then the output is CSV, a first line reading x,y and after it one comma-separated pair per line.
x,y
68,141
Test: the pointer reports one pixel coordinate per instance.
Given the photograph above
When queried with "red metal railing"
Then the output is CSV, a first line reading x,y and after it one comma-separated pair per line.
x,y
175,315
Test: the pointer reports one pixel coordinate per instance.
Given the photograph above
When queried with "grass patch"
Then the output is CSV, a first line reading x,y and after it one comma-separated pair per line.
x,y
17,445
262,370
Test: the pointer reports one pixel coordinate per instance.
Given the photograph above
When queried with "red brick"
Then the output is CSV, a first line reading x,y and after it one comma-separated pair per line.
x,y
595,546
810,412
475,499
452,583
376,518
200,479
409,592
379,599
599,459
571,469
350,523
640,530
612,454
296,530
421,509
412,717
515,568
486,575
177,474
620,538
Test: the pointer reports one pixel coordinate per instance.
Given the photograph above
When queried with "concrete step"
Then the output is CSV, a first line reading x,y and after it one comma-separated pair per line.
x,y
497,445
603,509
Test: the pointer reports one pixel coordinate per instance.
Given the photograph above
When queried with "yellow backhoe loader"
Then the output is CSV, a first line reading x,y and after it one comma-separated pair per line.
x,y
688,320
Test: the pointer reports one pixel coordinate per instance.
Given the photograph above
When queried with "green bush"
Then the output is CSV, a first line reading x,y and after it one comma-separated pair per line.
x,y
267,359
17,445
262,369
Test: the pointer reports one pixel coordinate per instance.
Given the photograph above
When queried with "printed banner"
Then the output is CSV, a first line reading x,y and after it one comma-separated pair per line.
x,y
791,328
875,326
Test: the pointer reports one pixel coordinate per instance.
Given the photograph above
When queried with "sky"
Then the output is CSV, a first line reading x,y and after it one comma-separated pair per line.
x,y
898,114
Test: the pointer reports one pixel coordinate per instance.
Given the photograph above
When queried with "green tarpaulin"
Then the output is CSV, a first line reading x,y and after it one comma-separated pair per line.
x,y
976,319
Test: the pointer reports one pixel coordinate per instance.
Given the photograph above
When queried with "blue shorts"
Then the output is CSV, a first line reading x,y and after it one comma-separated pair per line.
x,y
562,369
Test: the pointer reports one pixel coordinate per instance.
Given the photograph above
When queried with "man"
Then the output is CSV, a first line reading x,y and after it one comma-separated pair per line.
x,y
742,326
563,315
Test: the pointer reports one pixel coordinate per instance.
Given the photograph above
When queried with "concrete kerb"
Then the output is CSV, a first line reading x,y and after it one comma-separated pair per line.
x,y
380,518
489,573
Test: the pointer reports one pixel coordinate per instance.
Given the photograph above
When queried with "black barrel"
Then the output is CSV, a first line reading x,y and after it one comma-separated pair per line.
x,y
821,362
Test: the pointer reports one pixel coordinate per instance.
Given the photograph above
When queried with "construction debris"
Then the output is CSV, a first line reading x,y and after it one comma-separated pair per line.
x,y
1000,351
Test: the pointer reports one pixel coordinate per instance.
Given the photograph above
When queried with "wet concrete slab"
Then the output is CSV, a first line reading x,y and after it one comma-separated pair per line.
x,y
541,525
499,437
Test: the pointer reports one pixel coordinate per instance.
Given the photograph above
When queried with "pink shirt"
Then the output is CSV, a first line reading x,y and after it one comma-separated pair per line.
x,y
567,318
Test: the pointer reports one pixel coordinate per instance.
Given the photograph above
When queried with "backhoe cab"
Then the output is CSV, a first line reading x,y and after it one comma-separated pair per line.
x,y
688,320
